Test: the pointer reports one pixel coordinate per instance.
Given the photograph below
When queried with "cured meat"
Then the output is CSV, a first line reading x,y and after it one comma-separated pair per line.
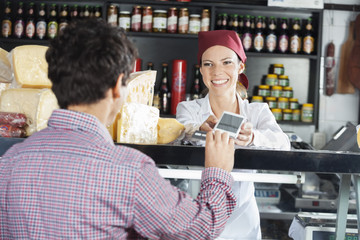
x,y
7,130
13,119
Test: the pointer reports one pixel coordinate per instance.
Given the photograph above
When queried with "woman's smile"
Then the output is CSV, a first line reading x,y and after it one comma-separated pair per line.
x,y
219,82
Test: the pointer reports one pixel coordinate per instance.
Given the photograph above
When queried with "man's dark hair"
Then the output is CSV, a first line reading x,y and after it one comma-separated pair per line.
x,y
86,59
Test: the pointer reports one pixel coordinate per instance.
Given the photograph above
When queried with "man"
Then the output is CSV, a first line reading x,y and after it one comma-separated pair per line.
x,y
69,181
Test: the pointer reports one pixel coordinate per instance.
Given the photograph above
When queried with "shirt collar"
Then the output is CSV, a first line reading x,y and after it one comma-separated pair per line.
x,y
207,108
72,120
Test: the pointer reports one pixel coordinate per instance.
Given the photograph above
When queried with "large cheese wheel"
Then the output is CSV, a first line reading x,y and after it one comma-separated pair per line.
x,y
138,124
169,129
6,75
30,66
36,104
140,87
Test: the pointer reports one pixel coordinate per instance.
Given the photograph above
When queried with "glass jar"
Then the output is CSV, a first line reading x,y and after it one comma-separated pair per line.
x,y
264,91
124,20
172,20
272,102
277,113
287,114
147,19
257,99
276,91
160,17
277,69
284,81
205,20
271,80
194,24
112,15
294,104
136,19
296,115
307,112
287,92
283,103
183,20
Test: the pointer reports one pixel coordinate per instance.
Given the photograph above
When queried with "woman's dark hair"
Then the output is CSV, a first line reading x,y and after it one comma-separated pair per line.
x,y
86,59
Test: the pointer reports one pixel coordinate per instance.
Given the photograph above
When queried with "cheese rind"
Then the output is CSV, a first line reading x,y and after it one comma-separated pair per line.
x,y
36,104
6,75
140,87
30,67
169,129
138,124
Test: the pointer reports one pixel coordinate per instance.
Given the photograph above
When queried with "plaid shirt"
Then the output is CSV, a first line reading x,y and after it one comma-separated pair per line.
x,y
69,181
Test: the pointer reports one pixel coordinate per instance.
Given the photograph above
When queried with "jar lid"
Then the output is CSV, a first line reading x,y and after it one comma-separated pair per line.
x,y
194,15
283,77
264,86
270,99
160,11
287,88
287,110
124,12
276,110
296,110
308,105
257,98
278,65
283,99
293,99
147,7
272,75
276,88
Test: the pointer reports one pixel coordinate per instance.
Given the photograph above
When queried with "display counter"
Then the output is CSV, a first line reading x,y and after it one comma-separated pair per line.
x,y
319,161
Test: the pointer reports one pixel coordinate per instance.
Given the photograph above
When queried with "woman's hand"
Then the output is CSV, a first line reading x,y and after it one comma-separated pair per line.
x,y
219,151
246,135
209,124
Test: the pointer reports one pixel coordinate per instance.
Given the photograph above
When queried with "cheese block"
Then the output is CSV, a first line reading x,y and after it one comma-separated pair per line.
x,y
140,87
6,75
358,135
36,104
169,129
112,128
138,124
30,67
3,87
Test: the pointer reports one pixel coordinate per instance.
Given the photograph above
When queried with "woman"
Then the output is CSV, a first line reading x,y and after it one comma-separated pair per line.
x,y
222,57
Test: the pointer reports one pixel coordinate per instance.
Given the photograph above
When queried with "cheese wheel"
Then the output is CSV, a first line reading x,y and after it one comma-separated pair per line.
x,y
6,75
30,66
169,129
138,124
140,87
36,104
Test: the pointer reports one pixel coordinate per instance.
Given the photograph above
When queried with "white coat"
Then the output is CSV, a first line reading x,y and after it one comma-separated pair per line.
x,y
244,222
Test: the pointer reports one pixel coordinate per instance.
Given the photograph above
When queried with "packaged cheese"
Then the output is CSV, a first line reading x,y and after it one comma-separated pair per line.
x,y
6,74
169,129
138,124
36,104
30,67
140,87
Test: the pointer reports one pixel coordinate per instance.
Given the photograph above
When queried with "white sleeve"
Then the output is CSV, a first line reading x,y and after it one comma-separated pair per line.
x,y
186,113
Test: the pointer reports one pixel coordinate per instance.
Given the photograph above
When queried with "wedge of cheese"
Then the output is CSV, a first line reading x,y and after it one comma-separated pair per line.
x,y
138,124
6,75
169,129
140,87
30,66
36,104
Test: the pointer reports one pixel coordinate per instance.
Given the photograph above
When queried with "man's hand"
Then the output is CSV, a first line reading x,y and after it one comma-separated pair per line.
x,y
219,151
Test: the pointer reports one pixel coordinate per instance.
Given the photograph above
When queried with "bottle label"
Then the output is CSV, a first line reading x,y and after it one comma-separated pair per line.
x,y
308,46
271,42
183,24
172,23
283,43
160,22
124,22
259,42
146,23
136,22
112,19
247,41
19,28
30,29
6,28
194,26
205,24
295,44
52,29
41,29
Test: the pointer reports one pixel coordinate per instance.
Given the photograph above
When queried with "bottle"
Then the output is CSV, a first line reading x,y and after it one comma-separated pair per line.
x,y
218,21
165,93
64,16
112,15
234,22
147,19
295,37
97,11
224,21
30,22
136,19
271,38
205,20
195,90
283,45
259,35
87,11
74,13
247,34
241,26
6,24
150,66
19,25
308,40
52,27
41,22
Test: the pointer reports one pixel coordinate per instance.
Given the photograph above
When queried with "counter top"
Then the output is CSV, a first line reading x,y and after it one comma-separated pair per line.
x,y
321,161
